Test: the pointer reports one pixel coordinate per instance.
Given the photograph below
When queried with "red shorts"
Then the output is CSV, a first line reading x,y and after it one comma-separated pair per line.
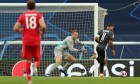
x,y
29,51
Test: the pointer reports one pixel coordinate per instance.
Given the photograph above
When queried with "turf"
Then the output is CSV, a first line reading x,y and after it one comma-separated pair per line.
x,y
70,80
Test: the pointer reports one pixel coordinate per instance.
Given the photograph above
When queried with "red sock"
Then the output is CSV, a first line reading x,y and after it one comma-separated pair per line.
x,y
28,64
37,63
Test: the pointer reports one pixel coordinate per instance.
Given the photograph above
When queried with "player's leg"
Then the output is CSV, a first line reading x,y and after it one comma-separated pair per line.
x,y
37,55
105,57
105,60
70,60
36,51
101,59
27,55
101,68
37,63
28,71
58,62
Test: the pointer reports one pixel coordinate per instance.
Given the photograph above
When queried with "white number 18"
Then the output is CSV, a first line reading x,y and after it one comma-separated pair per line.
x,y
32,23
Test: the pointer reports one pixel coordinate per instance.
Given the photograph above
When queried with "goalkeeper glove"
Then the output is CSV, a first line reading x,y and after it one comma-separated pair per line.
x,y
83,44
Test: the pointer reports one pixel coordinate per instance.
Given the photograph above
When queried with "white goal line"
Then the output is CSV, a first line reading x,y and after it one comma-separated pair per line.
x,y
58,42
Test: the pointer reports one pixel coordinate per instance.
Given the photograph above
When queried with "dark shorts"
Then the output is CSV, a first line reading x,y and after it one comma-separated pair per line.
x,y
102,54
29,51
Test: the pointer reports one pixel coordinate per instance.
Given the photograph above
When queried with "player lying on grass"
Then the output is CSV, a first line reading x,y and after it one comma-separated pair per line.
x,y
31,21
103,38
60,51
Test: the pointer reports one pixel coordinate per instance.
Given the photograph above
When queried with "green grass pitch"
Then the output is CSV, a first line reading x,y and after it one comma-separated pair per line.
x,y
70,80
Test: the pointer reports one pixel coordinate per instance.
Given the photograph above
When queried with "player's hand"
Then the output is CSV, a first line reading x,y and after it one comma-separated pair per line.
x,y
83,50
83,44
42,34
113,52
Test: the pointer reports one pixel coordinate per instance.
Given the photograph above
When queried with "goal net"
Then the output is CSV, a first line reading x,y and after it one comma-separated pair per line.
x,y
61,19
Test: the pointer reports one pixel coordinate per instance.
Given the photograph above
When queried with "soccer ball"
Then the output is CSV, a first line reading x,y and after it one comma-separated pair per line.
x,y
123,74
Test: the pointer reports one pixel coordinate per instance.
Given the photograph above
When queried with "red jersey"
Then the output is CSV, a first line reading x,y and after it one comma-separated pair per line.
x,y
31,32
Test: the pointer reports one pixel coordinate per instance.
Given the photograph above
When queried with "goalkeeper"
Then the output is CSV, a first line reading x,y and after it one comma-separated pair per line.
x,y
60,51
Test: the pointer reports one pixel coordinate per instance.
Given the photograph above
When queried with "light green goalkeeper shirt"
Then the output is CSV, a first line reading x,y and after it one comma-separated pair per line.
x,y
68,43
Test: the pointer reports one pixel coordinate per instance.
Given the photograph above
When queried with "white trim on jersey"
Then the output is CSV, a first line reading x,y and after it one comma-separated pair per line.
x,y
106,51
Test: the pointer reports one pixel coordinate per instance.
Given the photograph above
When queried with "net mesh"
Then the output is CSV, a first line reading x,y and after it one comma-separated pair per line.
x,y
60,23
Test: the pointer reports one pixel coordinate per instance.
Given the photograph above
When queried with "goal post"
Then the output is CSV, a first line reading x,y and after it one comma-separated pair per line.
x,y
61,19
48,4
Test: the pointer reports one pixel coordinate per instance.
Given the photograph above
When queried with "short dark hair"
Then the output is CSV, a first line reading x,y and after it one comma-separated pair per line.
x,y
31,4
74,31
109,25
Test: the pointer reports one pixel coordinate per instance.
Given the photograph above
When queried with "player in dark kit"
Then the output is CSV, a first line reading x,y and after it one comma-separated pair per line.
x,y
104,38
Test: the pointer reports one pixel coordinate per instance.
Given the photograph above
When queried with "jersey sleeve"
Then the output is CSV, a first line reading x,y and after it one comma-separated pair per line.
x,y
20,19
70,45
111,36
79,42
99,33
41,16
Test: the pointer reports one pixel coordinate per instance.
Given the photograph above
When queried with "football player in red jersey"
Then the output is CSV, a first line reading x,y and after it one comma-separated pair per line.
x,y
31,37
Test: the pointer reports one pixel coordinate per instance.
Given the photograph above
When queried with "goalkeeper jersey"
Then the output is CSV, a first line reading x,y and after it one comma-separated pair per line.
x,y
68,43
31,32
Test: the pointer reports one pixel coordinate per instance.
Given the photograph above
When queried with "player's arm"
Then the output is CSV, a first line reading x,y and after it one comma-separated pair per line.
x,y
71,48
17,27
97,38
111,43
79,42
43,26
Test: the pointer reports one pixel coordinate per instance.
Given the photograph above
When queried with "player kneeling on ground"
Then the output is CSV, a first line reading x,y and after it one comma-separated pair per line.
x,y
60,51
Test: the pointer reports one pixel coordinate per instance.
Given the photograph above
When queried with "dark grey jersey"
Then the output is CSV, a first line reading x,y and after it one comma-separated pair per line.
x,y
104,37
